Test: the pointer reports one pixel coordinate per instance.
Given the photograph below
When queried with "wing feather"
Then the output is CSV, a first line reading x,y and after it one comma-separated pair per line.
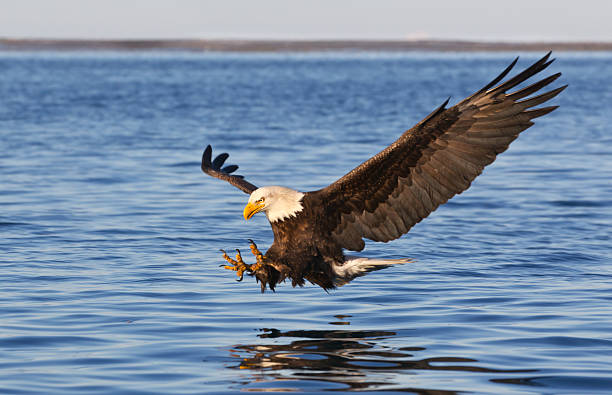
x,y
213,168
533,87
439,157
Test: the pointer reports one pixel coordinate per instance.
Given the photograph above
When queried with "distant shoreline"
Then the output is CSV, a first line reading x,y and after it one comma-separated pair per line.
x,y
9,44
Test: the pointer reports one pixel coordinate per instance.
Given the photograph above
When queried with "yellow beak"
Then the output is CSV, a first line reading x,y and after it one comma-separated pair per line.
x,y
251,209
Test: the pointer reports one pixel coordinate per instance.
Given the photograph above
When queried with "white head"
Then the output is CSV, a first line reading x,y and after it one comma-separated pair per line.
x,y
277,202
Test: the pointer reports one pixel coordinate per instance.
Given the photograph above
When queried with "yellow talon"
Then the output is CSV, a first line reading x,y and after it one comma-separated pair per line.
x,y
258,255
227,258
239,266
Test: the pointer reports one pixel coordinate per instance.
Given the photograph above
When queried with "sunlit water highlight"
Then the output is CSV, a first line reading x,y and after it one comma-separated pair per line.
x,y
110,233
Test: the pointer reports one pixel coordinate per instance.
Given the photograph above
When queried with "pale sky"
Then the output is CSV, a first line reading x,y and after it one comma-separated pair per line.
x,y
507,20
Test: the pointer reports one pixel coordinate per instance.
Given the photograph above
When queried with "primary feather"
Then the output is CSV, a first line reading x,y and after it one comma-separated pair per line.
x,y
436,159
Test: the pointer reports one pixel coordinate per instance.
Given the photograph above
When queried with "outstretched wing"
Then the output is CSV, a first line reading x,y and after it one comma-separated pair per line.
x,y
438,158
213,168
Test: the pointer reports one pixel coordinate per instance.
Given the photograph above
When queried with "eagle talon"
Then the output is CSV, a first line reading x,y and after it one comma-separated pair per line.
x,y
239,266
255,251
227,258
239,257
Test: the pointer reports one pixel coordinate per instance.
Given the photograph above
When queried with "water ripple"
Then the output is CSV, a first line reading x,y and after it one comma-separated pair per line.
x,y
111,234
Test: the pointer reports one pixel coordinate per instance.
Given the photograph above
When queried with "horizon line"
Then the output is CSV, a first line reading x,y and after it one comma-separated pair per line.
x,y
298,45
304,39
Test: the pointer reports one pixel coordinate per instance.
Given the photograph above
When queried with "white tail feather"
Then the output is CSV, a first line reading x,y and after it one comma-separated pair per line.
x,y
355,266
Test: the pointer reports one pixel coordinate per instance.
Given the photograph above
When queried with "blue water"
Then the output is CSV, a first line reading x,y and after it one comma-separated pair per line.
x,y
110,233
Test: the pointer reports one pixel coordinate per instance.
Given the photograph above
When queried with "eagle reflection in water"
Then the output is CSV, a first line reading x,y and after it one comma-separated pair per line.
x,y
332,360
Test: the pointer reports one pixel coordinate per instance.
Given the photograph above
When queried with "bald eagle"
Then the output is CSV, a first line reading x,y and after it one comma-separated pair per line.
x,y
385,196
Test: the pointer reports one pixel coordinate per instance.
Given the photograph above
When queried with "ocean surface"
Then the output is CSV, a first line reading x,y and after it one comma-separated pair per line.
x,y
110,233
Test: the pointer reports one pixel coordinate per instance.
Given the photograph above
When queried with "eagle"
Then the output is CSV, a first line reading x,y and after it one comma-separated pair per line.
x,y
385,196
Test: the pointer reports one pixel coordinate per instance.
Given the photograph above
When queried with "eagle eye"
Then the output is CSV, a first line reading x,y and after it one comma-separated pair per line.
x,y
260,200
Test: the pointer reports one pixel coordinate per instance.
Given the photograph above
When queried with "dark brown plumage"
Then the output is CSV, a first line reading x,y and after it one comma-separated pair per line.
x,y
384,197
